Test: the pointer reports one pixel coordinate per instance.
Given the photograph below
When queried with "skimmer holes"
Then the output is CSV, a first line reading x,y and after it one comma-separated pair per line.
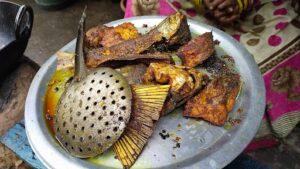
x,y
123,108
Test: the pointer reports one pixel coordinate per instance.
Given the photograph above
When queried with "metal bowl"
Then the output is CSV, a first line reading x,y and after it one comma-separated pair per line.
x,y
202,145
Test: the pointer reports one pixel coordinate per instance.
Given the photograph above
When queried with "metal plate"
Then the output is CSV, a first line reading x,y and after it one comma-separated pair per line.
x,y
202,145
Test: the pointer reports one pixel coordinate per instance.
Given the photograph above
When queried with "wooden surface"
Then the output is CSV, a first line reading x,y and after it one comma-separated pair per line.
x,y
13,91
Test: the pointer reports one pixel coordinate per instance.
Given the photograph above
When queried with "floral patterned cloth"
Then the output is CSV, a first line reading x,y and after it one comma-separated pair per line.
x,y
271,33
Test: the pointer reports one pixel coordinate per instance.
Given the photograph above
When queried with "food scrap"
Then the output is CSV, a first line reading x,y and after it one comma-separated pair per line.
x,y
163,134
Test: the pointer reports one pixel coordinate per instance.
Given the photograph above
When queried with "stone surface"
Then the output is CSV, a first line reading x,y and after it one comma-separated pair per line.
x,y
52,29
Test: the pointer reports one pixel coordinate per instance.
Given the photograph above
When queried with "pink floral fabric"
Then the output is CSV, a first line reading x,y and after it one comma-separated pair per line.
x,y
283,88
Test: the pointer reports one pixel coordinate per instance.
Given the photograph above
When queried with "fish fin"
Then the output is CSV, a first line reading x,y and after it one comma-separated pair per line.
x,y
148,104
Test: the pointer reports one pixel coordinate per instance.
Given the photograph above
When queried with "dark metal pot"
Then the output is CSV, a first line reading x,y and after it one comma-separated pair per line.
x,y
15,29
54,4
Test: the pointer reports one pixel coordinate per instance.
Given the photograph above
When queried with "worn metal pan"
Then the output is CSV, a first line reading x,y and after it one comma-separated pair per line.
x,y
15,30
202,145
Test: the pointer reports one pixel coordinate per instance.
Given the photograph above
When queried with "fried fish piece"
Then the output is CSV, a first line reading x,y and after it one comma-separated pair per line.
x,y
94,36
127,31
216,100
172,30
184,82
105,36
197,50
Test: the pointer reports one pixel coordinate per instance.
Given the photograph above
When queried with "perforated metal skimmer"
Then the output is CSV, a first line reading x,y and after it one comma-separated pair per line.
x,y
93,111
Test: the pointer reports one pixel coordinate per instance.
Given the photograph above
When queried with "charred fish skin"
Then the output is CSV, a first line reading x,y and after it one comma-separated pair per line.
x,y
171,31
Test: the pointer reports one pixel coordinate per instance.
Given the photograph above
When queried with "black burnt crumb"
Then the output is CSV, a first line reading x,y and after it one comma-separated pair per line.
x,y
145,26
70,79
164,135
216,42
177,145
115,157
163,131
179,126
173,155
56,89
